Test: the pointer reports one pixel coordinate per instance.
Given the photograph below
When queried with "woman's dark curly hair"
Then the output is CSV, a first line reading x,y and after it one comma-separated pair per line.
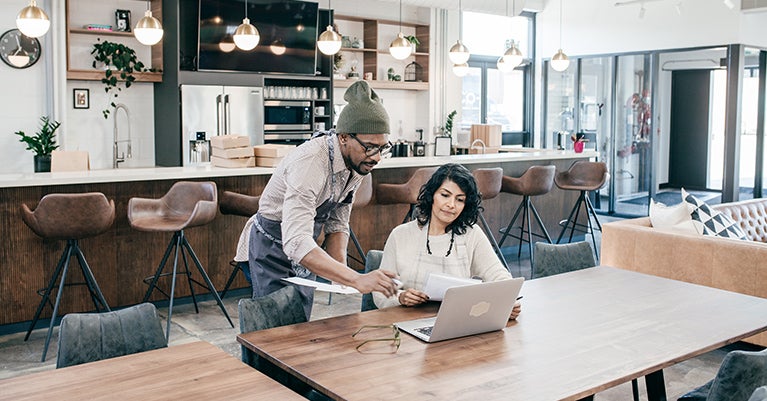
x,y
462,177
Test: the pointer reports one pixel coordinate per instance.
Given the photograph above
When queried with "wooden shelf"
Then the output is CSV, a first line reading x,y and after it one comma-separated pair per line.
x,y
413,86
94,32
96,75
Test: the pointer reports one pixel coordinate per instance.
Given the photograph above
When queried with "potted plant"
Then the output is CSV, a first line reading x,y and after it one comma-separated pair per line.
x,y
414,42
449,123
42,143
120,63
443,144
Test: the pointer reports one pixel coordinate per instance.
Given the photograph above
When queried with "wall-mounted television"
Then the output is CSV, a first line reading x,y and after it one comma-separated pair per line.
x,y
288,36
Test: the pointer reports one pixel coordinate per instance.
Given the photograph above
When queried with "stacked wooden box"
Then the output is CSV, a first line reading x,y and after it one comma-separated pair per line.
x,y
270,155
489,134
231,151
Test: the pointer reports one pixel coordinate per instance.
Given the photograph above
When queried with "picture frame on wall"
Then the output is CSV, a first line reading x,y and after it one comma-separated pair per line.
x,y
122,20
81,98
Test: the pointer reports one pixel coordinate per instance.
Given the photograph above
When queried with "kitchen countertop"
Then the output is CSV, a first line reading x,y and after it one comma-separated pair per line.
x,y
11,180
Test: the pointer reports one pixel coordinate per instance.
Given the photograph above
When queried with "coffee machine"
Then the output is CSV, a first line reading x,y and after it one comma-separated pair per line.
x,y
419,146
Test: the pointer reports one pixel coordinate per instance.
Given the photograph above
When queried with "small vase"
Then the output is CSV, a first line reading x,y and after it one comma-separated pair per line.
x,y
42,164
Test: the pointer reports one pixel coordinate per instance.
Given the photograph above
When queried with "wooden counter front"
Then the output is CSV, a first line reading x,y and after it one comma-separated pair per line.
x,y
122,257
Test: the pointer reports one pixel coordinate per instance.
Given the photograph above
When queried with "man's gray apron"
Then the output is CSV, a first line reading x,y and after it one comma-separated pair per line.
x,y
269,264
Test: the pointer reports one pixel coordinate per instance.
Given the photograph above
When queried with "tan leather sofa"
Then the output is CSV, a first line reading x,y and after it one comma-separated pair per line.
x,y
729,264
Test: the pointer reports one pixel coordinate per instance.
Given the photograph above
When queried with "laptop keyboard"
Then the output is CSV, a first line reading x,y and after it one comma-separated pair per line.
x,y
425,330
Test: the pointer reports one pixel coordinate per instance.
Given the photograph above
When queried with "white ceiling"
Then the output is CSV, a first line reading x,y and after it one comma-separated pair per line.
x,y
485,6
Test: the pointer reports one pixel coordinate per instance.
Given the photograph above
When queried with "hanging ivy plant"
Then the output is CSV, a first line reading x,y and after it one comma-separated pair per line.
x,y
120,64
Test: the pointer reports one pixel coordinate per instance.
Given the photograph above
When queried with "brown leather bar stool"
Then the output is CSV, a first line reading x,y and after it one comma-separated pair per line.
x,y
583,176
362,197
187,204
69,217
237,204
407,193
489,186
537,180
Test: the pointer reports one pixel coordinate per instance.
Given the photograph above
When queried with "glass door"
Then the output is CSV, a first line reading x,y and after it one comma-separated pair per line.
x,y
632,140
595,108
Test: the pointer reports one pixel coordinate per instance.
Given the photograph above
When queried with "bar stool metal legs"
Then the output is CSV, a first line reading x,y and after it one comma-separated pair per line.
x,y
526,227
180,245
572,221
60,274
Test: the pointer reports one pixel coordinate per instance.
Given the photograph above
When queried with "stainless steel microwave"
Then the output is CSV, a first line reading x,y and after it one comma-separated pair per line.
x,y
287,115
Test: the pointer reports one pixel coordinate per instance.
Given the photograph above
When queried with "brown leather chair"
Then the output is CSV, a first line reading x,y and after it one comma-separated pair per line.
x,y
187,204
406,193
69,217
537,180
489,186
362,197
237,204
583,176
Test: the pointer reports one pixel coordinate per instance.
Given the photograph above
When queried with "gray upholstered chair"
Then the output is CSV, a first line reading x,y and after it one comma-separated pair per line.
x,y
553,259
280,308
740,374
88,337
373,261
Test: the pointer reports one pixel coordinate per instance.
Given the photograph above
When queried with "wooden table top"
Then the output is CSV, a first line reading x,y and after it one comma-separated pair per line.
x,y
194,371
579,333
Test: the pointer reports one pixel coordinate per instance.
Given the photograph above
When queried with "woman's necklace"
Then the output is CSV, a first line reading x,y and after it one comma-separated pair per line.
x,y
452,239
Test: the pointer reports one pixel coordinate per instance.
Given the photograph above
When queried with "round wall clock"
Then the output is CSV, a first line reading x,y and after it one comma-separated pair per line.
x,y
17,50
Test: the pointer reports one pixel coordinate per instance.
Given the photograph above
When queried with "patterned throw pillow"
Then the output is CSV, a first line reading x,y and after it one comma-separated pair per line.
x,y
714,222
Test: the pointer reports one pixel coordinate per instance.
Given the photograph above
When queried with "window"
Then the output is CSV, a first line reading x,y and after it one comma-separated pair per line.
x,y
490,96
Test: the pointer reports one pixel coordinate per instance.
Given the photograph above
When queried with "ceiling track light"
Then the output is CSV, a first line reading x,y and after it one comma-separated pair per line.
x,y
400,47
32,21
459,54
149,30
560,62
246,36
329,41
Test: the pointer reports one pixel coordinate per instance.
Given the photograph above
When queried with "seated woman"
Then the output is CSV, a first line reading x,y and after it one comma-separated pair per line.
x,y
443,239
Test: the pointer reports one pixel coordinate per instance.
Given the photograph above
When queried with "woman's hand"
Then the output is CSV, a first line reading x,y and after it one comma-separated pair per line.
x,y
411,297
516,311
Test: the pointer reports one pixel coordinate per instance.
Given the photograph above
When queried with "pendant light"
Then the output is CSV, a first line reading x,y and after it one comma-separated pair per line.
x,y
278,48
459,54
246,36
32,20
512,57
329,42
560,62
460,70
400,47
148,31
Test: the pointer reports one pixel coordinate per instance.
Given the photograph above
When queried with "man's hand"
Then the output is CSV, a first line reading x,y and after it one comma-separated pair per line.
x,y
377,280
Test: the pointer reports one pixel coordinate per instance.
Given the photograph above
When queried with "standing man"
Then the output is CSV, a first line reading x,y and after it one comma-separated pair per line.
x,y
311,190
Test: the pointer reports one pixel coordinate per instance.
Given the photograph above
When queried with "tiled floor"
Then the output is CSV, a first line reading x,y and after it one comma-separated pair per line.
x,y
18,357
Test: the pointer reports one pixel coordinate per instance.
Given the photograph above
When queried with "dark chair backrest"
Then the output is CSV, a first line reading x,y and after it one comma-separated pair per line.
x,y
740,374
553,259
280,308
373,261
88,337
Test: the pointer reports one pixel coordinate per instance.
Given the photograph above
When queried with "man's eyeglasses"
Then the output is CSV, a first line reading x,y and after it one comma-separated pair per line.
x,y
372,150
394,338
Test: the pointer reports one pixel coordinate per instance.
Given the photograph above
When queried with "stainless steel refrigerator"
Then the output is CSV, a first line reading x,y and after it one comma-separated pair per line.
x,y
211,110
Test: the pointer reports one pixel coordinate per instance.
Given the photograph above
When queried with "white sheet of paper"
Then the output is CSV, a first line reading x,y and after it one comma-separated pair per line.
x,y
336,288
437,284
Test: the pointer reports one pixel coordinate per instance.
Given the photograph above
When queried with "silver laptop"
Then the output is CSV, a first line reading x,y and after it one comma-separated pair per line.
x,y
467,310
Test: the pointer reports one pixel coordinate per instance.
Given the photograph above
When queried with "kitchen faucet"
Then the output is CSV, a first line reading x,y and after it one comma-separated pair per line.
x,y
480,142
115,158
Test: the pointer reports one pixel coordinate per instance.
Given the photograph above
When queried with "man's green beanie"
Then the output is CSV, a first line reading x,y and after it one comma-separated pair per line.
x,y
364,113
